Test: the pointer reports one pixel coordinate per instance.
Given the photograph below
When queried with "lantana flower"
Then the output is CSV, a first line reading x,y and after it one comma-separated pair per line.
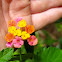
x,y
18,32
32,41
12,30
18,42
22,23
12,23
18,19
29,29
9,37
25,35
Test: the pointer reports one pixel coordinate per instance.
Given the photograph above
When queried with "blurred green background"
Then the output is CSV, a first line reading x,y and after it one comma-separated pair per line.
x,y
51,35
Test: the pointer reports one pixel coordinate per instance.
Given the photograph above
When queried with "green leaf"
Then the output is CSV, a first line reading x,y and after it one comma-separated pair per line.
x,y
15,61
50,54
16,52
6,54
28,60
23,50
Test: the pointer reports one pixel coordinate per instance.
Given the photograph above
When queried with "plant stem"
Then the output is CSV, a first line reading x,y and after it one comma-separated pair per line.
x,y
29,49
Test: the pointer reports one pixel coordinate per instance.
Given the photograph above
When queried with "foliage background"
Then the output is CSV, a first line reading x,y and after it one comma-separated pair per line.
x,y
48,49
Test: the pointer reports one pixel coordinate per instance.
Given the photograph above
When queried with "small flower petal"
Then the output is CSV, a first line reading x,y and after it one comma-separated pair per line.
x,y
18,31
29,29
21,42
25,35
22,23
18,42
18,38
12,23
12,30
28,35
18,19
32,41
17,46
9,44
9,37
14,41
24,32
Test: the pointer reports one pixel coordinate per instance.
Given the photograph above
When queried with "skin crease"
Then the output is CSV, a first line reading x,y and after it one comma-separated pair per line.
x,y
36,12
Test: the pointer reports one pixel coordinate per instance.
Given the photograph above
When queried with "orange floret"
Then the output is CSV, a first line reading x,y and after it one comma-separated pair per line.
x,y
12,23
29,29
9,37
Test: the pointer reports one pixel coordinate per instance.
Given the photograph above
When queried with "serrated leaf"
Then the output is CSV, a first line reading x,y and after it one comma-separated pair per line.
x,y
6,54
50,54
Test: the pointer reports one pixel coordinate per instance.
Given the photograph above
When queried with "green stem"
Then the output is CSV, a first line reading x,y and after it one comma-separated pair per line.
x,y
29,49
20,54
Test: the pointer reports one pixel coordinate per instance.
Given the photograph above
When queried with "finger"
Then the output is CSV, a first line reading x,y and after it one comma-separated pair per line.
x,y
21,9
17,8
42,5
3,29
5,9
41,19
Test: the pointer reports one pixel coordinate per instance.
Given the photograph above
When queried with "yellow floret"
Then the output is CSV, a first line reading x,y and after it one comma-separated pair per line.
x,y
24,32
28,35
18,31
12,30
22,23
25,35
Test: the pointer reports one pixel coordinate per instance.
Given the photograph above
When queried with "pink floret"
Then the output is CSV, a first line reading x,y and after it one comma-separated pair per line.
x,y
18,42
9,44
32,41
18,19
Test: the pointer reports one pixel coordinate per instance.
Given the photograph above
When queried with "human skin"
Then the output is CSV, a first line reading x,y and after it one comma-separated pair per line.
x,y
36,12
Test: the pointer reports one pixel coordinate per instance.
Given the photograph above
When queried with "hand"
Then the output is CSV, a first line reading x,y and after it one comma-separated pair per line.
x,y
36,12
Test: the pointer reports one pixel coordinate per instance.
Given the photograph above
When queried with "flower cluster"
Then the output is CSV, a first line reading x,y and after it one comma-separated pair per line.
x,y
18,31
